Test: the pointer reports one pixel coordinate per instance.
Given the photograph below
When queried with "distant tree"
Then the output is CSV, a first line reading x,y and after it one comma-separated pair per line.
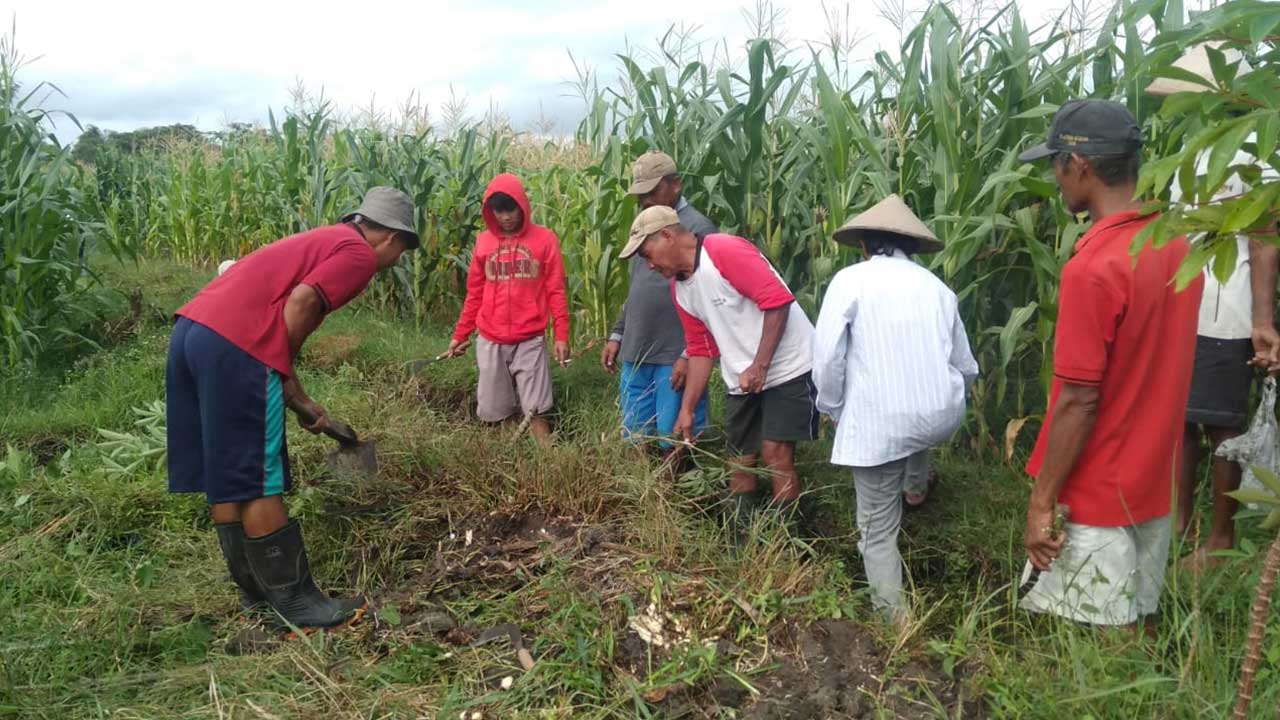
x,y
142,138
94,139
86,148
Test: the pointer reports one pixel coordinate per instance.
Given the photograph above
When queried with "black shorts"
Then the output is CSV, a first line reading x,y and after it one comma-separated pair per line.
x,y
225,419
1220,383
784,413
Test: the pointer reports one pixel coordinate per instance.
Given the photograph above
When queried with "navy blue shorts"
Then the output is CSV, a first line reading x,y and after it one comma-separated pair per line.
x,y
225,413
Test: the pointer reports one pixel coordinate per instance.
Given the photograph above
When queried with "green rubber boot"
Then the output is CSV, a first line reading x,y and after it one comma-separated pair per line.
x,y
279,563
231,540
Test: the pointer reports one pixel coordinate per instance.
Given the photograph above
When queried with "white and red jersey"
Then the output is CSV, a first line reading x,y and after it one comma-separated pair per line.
x,y
722,306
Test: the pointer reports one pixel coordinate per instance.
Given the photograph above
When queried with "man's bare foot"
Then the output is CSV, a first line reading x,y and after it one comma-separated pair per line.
x,y
914,499
1201,559
540,429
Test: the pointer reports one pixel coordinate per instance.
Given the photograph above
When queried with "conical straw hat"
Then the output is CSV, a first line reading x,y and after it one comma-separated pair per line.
x,y
1196,60
890,215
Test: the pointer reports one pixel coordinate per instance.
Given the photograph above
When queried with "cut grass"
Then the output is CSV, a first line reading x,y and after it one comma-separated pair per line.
x,y
114,600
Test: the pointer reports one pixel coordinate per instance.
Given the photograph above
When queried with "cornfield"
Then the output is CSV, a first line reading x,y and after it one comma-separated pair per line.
x,y
781,150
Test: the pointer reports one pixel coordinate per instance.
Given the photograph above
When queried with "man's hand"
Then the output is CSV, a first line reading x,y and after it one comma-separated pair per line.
x,y
609,356
684,425
1266,348
562,353
457,348
679,371
751,381
315,410
1042,544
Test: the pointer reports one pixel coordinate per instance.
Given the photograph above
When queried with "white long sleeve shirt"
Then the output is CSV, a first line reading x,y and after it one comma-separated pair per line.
x,y
891,361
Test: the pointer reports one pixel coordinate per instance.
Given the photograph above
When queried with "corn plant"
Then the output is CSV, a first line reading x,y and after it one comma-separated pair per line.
x,y
47,229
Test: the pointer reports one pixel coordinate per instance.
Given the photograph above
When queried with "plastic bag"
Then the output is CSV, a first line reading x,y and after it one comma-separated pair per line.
x,y
1260,445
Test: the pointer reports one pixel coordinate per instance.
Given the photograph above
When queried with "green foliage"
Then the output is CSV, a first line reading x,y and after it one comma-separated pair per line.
x,y
1237,112
140,450
46,227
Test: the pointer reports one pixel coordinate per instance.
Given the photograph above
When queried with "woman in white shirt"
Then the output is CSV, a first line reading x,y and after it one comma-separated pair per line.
x,y
891,363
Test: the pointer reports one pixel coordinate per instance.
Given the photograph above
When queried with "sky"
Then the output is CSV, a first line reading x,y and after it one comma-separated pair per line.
x,y
126,64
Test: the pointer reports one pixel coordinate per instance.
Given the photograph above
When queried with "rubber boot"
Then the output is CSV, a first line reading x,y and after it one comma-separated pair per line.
x,y
279,563
231,540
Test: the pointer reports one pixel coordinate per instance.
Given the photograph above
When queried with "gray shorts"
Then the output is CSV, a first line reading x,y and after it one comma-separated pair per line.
x,y
782,413
512,378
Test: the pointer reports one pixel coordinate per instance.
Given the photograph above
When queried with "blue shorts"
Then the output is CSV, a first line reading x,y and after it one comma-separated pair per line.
x,y
649,404
225,414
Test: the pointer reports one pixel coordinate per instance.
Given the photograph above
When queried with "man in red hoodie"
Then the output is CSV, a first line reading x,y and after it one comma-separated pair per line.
x,y
515,283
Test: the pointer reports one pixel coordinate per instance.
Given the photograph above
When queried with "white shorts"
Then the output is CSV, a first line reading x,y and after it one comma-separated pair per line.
x,y
1105,575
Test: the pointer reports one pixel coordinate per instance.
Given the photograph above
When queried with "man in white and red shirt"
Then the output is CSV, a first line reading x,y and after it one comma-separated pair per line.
x,y
734,306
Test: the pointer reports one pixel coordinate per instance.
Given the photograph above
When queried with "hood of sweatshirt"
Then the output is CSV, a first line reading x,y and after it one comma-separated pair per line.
x,y
508,184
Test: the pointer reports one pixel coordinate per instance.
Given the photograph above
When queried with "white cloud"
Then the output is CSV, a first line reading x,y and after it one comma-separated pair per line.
x,y
128,64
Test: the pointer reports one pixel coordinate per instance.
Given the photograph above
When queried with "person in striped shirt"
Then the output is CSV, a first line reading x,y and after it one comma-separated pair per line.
x,y
891,363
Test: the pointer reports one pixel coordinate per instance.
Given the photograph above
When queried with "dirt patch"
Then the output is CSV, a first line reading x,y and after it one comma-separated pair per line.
x,y
117,330
454,403
492,554
331,351
831,669
508,550
45,450
835,668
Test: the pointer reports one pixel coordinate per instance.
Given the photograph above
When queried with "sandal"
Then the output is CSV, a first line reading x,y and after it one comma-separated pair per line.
x,y
915,500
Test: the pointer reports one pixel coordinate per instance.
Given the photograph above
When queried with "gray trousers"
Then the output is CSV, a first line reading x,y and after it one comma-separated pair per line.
x,y
879,490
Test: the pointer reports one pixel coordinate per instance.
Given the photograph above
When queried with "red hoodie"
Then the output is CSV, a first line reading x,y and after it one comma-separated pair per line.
x,y
515,282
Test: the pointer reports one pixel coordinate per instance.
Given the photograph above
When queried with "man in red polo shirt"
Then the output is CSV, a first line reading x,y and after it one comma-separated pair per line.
x,y
1123,353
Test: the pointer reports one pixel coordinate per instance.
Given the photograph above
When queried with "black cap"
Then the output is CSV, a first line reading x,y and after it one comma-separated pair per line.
x,y
1089,127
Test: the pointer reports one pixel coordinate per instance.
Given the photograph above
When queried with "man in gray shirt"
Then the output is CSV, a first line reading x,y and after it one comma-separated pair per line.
x,y
648,339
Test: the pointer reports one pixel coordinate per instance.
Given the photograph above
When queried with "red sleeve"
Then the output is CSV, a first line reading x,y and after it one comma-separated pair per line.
x,y
698,341
344,274
475,294
747,270
1089,313
555,291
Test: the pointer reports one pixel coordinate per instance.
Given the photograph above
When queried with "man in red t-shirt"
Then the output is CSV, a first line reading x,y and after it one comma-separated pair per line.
x,y
1123,351
230,375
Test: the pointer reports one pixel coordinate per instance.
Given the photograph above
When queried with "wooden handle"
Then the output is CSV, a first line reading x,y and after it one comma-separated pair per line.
x,y
337,430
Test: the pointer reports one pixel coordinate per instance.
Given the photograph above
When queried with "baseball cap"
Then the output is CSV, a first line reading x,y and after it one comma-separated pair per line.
x,y
648,170
1089,127
647,223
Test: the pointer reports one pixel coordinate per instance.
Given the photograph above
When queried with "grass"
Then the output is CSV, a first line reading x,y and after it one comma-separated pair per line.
x,y
114,601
